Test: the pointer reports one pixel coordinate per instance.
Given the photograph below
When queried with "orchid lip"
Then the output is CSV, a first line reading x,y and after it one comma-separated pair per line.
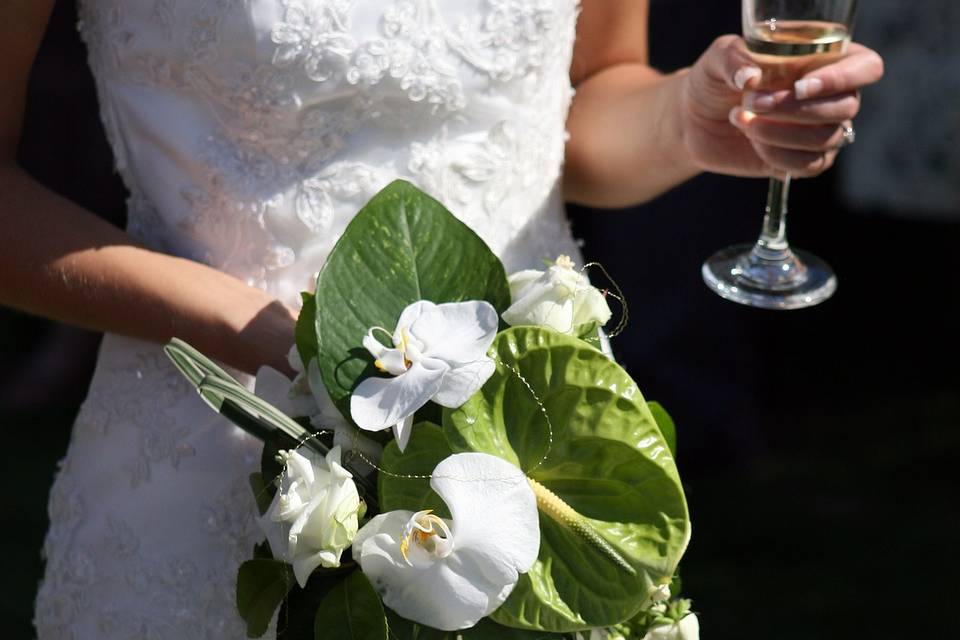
x,y
429,532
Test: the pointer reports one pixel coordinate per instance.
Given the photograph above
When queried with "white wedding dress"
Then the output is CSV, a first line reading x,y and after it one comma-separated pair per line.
x,y
248,133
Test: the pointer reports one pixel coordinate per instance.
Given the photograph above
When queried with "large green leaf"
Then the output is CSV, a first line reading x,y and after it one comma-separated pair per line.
x,y
402,479
305,334
604,456
351,611
261,587
403,246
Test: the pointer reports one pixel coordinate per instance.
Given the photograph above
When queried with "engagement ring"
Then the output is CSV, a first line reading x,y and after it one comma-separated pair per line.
x,y
849,136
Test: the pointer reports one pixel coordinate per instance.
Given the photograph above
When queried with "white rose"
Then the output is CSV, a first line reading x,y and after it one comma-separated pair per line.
x,y
688,628
315,514
560,298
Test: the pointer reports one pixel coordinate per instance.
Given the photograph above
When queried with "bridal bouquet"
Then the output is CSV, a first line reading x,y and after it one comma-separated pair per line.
x,y
457,458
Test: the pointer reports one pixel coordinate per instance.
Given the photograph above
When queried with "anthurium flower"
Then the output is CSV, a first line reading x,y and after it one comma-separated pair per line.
x,y
439,353
315,514
560,298
448,574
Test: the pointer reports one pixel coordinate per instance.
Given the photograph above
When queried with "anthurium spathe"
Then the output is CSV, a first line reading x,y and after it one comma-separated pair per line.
x,y
448,574
439,353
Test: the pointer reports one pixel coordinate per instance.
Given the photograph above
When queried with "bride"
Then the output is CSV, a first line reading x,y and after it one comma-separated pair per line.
x,y
248,132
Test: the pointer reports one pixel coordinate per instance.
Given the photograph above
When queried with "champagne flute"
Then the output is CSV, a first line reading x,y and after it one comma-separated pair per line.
x,y
797,35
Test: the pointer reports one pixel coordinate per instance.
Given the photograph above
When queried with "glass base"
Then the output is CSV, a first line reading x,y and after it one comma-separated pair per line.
x,y
789,281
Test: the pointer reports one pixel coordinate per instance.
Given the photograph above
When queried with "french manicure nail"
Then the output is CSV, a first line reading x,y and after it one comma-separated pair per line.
x,y
759,101
740,117
744,75
734,116
807,88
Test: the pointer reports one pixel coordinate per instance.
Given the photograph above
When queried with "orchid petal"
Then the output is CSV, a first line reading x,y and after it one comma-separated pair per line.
x,y
457,332
392,361
495,536
436,595
410,315
374,346
401,431
493,508
379,403
464,381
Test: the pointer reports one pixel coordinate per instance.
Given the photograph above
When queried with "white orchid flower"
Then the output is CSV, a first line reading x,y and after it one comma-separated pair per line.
x,y
448,574
561,298
439,353
315,514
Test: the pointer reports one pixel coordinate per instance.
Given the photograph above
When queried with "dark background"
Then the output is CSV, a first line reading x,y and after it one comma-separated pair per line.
x,y
818,447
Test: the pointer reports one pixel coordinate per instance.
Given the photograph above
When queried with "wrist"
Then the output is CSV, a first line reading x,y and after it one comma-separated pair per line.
x,y
255,329
677,126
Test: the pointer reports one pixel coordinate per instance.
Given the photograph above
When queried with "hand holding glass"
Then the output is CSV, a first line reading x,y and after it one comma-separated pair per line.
x,y
793,34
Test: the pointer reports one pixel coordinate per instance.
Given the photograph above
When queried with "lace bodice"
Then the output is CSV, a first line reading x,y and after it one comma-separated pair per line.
x,y
248,133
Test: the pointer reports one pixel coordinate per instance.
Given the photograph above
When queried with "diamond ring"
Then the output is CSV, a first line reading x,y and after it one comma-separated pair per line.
x,y
849,136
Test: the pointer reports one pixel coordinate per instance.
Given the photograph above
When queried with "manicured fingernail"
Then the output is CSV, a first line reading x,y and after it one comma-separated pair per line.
x,y
759,101
740,117
744,75
807,88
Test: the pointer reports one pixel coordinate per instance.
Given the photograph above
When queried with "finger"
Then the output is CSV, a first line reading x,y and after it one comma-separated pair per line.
x,y
784,107
859,68
801,164
728,61
798,137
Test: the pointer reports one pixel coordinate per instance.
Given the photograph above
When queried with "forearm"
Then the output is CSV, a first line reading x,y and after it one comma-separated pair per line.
x,y
64,263
626,141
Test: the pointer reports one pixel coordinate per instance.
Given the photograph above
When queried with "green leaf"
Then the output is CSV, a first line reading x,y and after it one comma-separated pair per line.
x,y
426,448
608,461
261,492
351,611
667,427
403,246
261,587
305,334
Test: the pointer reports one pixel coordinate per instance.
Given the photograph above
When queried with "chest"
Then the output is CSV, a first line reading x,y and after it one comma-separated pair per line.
x,y
433,51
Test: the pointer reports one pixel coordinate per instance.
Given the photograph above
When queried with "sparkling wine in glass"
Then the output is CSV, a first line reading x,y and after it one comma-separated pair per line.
x,y
795,36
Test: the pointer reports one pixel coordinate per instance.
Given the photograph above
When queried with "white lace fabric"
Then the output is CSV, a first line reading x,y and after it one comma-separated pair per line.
x,y
248,133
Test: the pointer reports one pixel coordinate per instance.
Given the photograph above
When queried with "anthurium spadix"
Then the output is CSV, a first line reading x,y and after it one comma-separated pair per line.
x,y
448,574
439,353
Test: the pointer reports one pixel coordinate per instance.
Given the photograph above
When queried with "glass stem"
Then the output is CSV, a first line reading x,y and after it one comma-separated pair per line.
x,y
771,265
772,244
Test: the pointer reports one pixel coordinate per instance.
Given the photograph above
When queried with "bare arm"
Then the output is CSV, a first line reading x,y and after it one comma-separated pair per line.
x,y
625,123
65,263
635,133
